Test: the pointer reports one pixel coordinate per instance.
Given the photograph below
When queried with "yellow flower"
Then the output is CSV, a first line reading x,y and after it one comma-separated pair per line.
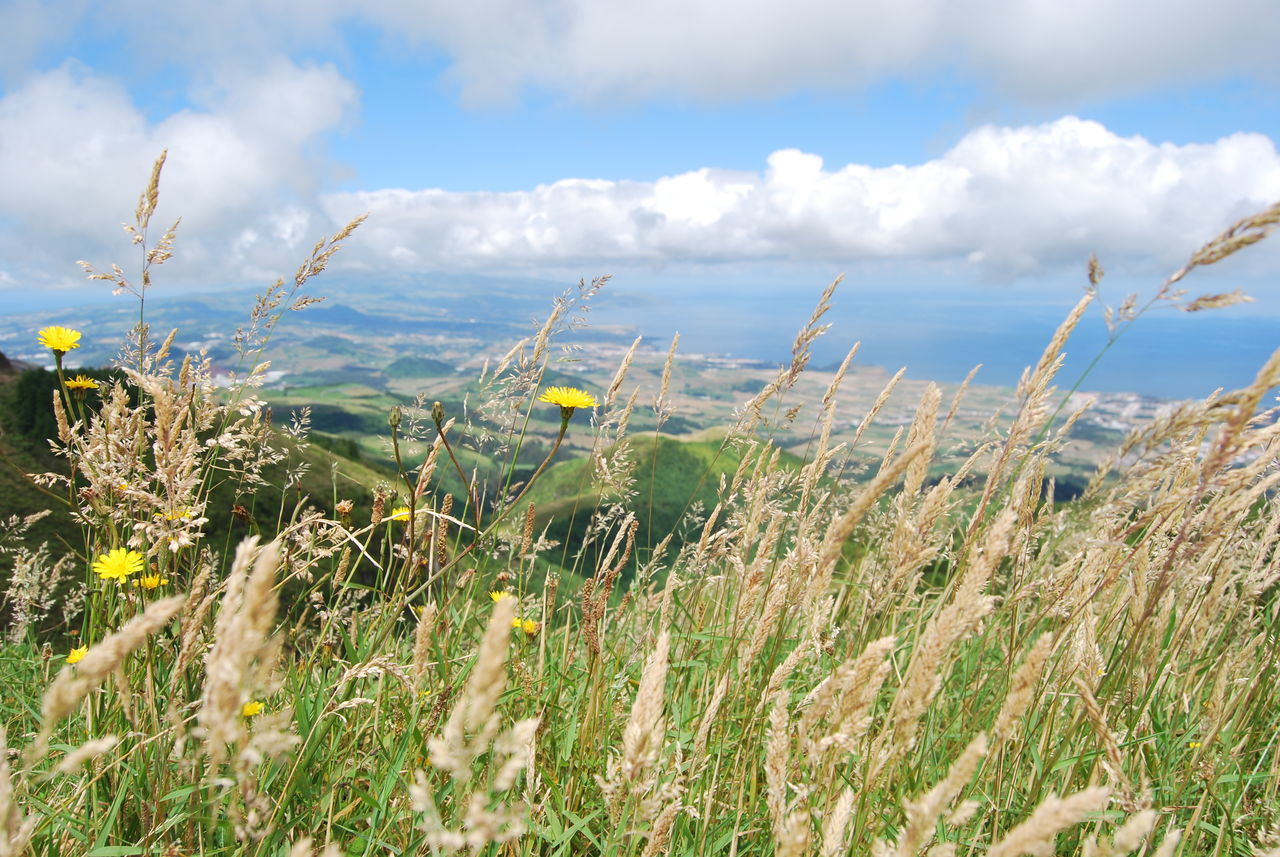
x,y
118,564
81,383
568,398
498,596
150,581
76,655
252,708
59,340
1193,744
529,626
399,513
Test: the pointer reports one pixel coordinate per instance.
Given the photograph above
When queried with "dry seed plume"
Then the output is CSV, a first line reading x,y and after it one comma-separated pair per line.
x,y
1236,237
1035,835
15,829
844,701
242,649
86,751
1127,839
836,824
645,731
422,643
473,722
777,758
923,813
1022,688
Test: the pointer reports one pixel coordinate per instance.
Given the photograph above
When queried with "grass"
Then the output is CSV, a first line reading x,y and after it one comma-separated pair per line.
x,y
926,660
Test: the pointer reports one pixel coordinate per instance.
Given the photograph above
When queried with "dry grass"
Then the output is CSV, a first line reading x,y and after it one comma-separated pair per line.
x,y
893,667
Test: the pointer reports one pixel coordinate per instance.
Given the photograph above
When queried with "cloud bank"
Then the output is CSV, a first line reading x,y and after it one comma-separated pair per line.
x,y
1011,200
711,50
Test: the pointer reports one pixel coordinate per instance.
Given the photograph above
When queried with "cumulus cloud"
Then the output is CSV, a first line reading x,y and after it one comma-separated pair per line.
x,y
716,49
75,151
1009,200
245,172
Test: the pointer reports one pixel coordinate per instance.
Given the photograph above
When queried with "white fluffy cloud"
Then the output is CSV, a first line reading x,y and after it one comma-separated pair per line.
x,y
243,168
1005,201
709,49
1010,200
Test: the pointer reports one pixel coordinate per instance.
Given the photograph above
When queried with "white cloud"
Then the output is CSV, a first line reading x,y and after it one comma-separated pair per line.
x,y
245,164
1012,200
75,151
715,50
710,49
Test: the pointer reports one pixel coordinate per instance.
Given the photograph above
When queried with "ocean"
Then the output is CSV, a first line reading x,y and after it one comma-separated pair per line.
x,y
941,335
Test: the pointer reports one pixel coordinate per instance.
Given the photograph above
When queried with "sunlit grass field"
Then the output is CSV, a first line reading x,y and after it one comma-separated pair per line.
x,y
823,659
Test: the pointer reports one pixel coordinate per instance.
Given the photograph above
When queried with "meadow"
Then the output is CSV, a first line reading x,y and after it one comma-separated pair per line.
x,y
829,659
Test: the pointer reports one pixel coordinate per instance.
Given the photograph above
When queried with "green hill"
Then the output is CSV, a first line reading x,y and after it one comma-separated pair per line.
x,y
27,425
672,478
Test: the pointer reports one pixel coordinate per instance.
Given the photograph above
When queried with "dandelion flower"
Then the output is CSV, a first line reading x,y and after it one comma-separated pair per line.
x,y
569,399
80,383
59,340
118,564
77,654
151,581
529,626
399,513
498,596
251,708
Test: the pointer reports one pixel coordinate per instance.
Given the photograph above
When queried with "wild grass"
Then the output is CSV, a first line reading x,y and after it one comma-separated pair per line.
x,y
1097,678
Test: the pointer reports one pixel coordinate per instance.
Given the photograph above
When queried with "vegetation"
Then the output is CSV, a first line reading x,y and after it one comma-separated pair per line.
x,y
908,663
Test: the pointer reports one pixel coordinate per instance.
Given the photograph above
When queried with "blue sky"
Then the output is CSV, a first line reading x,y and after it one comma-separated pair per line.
x,y
979,145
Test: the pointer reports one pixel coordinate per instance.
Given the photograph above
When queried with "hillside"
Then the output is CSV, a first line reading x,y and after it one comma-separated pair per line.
x,y
311,475
674,485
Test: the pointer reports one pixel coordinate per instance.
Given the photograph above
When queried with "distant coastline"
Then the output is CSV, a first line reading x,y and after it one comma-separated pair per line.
x,y
938,335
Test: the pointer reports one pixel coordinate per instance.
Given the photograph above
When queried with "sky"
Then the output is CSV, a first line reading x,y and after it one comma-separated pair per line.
x,y
986,146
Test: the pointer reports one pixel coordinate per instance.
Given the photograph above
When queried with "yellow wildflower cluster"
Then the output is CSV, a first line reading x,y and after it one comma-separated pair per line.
x,y
529,626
